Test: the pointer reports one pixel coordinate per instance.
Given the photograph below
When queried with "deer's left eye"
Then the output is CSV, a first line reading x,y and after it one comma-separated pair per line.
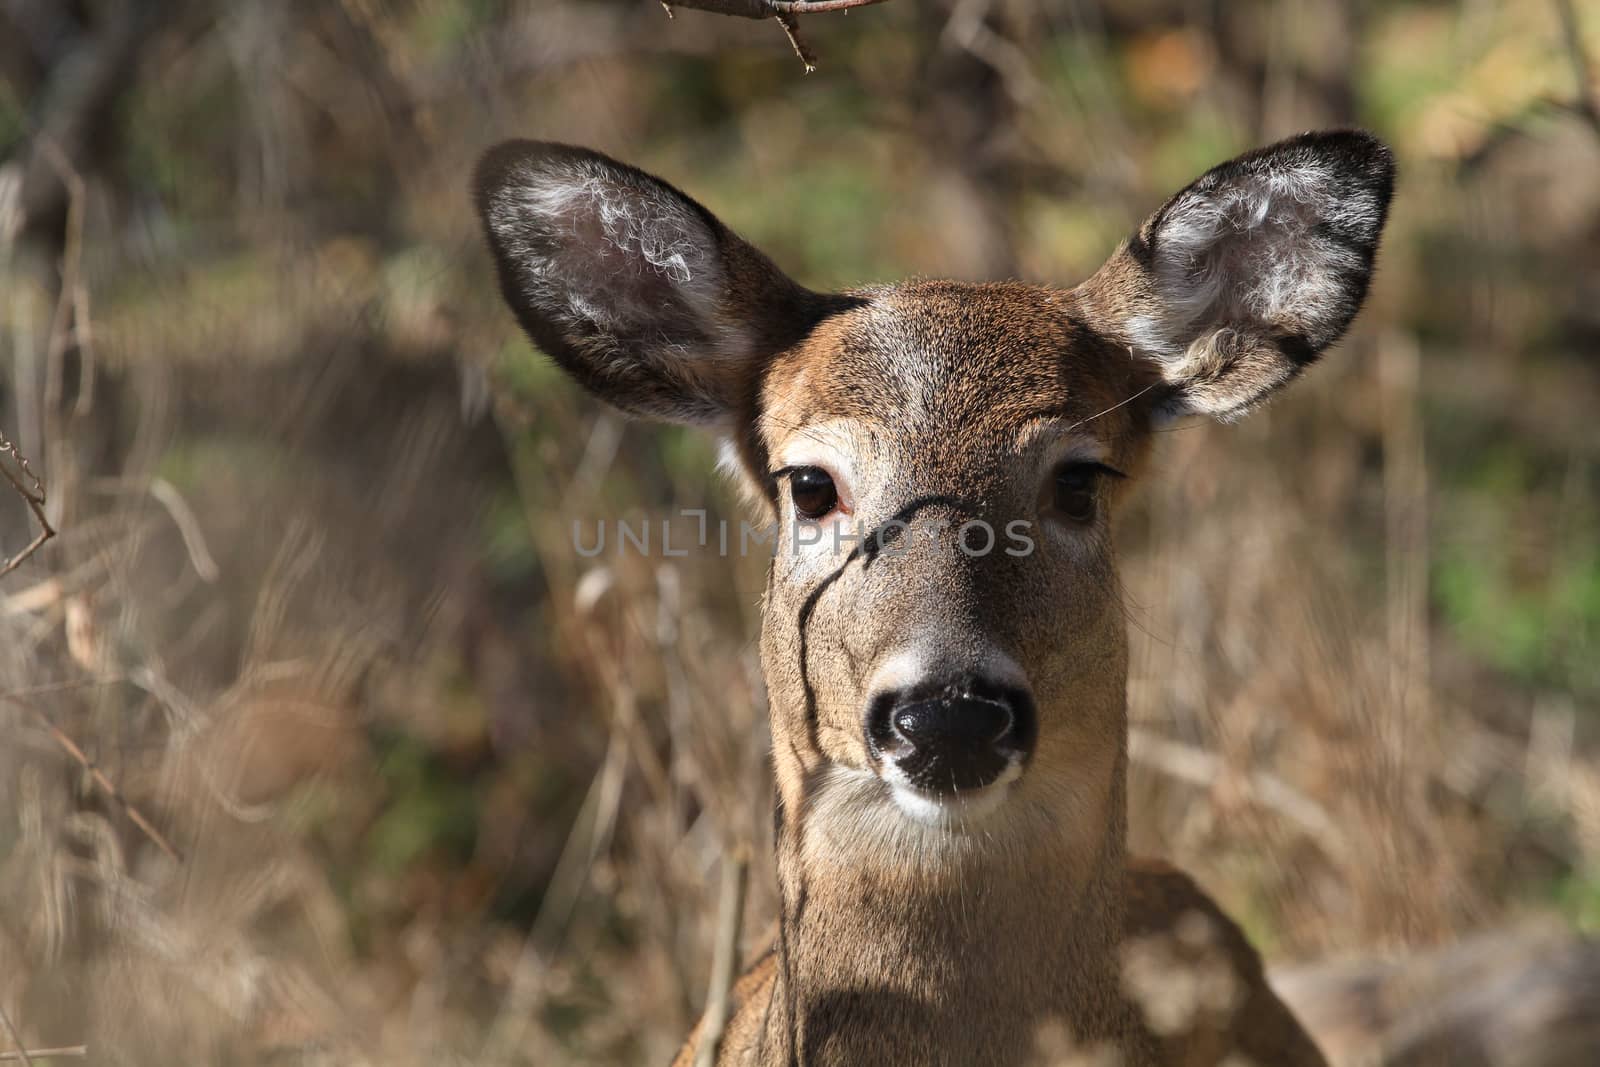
x,y
1077,490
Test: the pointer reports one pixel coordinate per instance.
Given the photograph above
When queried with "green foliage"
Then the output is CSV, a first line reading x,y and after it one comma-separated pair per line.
x,y
11,118
835,231
174,141
194,460
1517,569
527,372
507,552
1578,897
1412,65
440,28
431,811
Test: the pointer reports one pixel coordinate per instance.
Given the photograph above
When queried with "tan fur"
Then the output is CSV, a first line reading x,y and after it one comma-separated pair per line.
x,y
902,944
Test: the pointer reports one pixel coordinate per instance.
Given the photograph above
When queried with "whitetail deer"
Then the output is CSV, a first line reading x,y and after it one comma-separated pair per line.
x,y
949,712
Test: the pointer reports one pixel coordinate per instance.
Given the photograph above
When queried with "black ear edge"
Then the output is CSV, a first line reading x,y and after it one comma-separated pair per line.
x,y
1356,155
492,174
1360,157
1357,152
498,164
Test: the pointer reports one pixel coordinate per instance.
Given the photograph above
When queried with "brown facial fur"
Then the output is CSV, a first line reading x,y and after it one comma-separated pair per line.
x,y
945,402
953,399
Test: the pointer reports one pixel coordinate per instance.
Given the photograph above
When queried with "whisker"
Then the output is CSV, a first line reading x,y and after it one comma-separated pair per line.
x,y
1119,404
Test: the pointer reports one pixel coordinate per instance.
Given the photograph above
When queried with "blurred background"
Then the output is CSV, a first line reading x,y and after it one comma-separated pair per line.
x,y
321,744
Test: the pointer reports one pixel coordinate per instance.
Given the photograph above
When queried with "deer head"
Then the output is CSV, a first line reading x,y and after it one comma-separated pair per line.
x,y
943,632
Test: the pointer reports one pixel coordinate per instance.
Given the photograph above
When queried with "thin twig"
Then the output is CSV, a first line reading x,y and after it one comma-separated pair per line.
x,y
590,832
59,687
16,1038
43,1053
725,953
194,542
1198,767
106,785
178,510
791,30
33,493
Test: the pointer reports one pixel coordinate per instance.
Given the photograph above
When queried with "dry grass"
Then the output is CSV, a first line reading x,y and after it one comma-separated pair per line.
x,y
434,788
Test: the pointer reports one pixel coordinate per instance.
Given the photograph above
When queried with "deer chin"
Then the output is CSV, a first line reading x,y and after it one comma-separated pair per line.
x,y
859,820
960,813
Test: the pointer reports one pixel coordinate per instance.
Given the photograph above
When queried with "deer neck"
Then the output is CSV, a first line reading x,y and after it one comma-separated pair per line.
x,y
901,946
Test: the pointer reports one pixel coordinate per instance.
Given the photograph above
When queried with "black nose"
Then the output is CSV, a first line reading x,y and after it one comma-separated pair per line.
x,y
951,737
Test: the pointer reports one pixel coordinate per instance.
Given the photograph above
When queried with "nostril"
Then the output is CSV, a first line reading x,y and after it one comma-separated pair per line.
x,y
882,734
908,724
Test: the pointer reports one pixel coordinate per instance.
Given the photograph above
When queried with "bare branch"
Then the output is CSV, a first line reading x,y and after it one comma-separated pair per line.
x,y
106,784
785,12
33,494
78,87
791,30
16,1038
767,9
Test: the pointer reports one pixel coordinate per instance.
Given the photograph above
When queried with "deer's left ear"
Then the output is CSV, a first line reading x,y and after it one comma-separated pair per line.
x,y
1242,279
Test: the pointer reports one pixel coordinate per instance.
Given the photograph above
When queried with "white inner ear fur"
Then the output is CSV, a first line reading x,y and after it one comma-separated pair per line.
x,y
1247,253
597,246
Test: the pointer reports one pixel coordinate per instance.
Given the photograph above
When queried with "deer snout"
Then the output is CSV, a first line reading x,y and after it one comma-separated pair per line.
x,y
949,738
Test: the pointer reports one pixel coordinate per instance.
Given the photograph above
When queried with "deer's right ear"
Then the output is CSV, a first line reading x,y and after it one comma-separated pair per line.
x,y
636,290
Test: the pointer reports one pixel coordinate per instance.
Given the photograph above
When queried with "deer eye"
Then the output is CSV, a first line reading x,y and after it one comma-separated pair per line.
x,y
1077,490
813,492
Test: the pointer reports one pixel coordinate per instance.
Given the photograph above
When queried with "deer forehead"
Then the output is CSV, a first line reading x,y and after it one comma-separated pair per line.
x,y
950,373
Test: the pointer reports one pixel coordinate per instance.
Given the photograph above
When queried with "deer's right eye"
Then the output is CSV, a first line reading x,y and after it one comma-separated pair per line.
x,y
813,492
